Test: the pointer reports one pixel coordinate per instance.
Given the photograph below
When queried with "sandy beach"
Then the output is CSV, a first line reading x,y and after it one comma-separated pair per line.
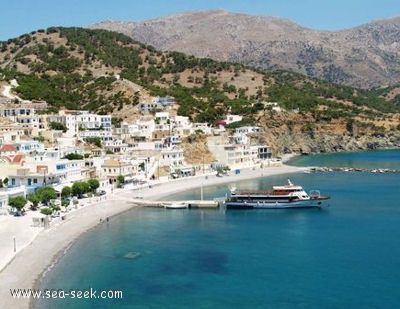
x,y
43,247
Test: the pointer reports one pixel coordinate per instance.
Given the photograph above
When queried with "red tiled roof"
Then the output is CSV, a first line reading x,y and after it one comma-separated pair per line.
x,y
8,148
18,158
112,162
6,158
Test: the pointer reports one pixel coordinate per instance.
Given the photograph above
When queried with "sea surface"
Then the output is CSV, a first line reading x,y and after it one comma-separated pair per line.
x,y
383,159
344,256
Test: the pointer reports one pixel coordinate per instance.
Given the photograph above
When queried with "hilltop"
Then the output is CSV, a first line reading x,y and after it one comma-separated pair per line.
x,y
364,56
110,73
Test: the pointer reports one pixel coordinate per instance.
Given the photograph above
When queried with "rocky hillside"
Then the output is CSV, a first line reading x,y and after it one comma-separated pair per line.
x,y
109,73
365,56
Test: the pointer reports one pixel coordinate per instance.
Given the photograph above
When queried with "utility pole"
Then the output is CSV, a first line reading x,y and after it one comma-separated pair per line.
x,y
44,176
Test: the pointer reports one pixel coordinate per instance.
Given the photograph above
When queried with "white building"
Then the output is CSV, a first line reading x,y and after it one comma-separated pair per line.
x,y
10,136
31,121
63,151
241,139
247,130
163,102
116,146
47,168
238,155
232,118
15,111
146,107
172,157
202,126
76,121
29,146
103,135
273,106
182,125
162,117
155,145
113,168
145,128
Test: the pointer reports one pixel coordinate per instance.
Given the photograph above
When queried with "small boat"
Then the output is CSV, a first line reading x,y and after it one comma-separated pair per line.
x,y
287,196
176,205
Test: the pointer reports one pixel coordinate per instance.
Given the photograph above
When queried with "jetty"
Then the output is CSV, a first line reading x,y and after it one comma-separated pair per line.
x,y
207,204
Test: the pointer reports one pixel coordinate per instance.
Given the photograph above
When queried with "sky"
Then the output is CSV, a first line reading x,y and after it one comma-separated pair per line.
x,y
18,17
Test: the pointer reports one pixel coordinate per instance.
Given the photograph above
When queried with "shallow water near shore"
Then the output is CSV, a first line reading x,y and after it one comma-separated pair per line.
x,y
342,256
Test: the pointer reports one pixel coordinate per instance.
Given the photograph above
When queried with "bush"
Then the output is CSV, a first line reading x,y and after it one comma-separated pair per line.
x,y
58,126
73,156
46,211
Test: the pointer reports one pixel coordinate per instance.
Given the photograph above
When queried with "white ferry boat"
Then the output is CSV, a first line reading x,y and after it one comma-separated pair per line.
x,y
287,196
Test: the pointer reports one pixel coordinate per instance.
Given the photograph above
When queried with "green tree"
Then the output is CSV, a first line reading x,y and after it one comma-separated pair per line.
x,y
58,126
79,188
93,140
34,199
66,192
17,202
73,156
120,180
94,184
46,194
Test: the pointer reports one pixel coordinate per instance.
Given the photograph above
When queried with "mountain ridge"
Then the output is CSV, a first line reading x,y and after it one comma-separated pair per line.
x,y
364,56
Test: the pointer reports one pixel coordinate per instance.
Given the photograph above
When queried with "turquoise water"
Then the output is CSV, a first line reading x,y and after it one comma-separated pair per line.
x,y
344,256
366,159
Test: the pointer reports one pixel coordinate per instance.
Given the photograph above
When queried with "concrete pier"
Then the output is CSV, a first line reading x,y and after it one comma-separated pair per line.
x,y
211,204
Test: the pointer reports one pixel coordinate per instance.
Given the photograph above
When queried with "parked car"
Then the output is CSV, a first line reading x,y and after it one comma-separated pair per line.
x,y
102,192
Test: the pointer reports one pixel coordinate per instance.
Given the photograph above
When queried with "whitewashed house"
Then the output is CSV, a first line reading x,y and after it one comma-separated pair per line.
x,y
247,130
232,118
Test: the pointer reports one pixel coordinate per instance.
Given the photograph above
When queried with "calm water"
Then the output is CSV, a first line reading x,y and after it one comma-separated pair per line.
x,y
345,256
366,159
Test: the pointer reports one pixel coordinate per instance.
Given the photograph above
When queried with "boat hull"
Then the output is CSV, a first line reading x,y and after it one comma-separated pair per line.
x,y
176,206
314,203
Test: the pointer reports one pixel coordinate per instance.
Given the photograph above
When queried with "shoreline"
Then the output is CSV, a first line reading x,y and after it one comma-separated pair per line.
x,y
29,266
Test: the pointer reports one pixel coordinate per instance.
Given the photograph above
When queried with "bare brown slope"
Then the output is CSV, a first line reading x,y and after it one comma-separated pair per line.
x,y
364,56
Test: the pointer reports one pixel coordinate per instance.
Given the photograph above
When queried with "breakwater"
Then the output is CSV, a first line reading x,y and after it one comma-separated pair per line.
x,y
353,169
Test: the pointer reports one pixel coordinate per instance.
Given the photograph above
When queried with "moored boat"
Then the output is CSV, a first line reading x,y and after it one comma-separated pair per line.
x,y
287,196
176,205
